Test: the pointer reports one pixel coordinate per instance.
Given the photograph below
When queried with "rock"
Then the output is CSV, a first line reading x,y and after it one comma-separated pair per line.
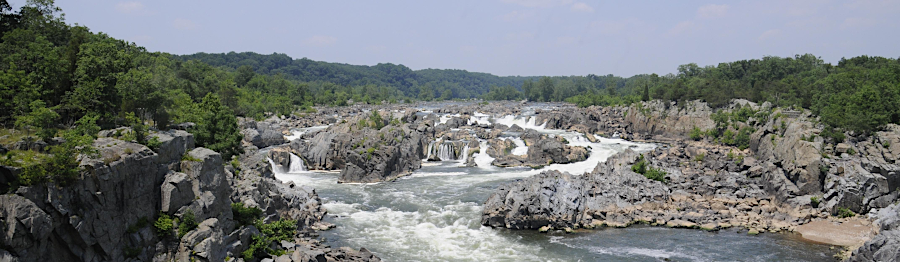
x,y
561,200
209,183
884,247
186,126
174,143
842,148
176,192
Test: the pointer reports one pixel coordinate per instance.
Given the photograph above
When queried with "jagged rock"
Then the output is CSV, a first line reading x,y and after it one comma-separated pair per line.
x,y
884,247
174,143
549,151
562,200
176,192
209,183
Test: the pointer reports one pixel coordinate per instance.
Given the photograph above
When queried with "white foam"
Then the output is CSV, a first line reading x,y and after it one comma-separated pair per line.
x,y
482,159
297,133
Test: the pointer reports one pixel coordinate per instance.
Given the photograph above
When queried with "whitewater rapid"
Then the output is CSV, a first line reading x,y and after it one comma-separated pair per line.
x,y
434,214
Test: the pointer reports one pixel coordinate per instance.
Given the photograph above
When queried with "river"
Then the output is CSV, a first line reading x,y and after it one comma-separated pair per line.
x,y
435,215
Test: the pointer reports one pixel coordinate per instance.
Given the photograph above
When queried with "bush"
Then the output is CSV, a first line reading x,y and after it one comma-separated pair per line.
x,y
656,174
814,201
281,230
245,215
187,223
844,212
836,136
700,157
153,143
164,225
696,134
642,167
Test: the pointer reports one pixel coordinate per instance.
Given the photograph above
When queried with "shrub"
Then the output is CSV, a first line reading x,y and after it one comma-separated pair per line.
x,y
699,157
245,215
851,151
163,225
642,167
836,136
153,143
844,212
187,223
696,134
655,174
281,230
814,201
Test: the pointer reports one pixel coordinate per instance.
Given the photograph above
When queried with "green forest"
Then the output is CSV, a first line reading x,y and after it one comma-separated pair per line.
x,y
54,75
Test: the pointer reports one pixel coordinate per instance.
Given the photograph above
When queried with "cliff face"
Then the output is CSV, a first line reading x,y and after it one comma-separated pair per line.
x,y
108,214
89,219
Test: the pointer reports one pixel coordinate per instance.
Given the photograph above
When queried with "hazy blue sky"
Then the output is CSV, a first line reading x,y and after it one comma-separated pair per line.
x,y
504,37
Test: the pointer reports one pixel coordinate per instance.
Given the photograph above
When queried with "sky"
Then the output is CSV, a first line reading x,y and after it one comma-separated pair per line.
x,y
504,37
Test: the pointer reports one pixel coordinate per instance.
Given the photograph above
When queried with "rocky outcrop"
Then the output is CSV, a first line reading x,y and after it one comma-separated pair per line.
x,y
712,193
364,154
88,220
263,134
886,245
560,200
107,214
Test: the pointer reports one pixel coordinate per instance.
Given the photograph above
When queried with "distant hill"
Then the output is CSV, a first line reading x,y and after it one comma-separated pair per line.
x,y
462,83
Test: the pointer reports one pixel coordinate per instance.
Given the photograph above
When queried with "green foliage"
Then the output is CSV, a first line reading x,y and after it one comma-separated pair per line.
x,y
187,223
833,135
217,128
814,201
696,134
41,120
281,230
376,120
138,128
153,143
245,215
188,157
642,167
851,151
699,157
164,225
844,212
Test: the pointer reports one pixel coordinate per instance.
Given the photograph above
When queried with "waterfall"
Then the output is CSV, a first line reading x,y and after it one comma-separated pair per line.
x,y
446,152
277,169
430,151
521,149
296,164
465,153
482,159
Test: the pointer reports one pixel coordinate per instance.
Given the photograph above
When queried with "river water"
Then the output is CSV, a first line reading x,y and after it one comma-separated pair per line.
x,y
435,215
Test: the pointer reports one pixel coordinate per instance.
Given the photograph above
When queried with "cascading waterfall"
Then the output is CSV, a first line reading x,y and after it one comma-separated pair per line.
x,y
430,151
445,153
277,169
297,165
482,159
465,153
